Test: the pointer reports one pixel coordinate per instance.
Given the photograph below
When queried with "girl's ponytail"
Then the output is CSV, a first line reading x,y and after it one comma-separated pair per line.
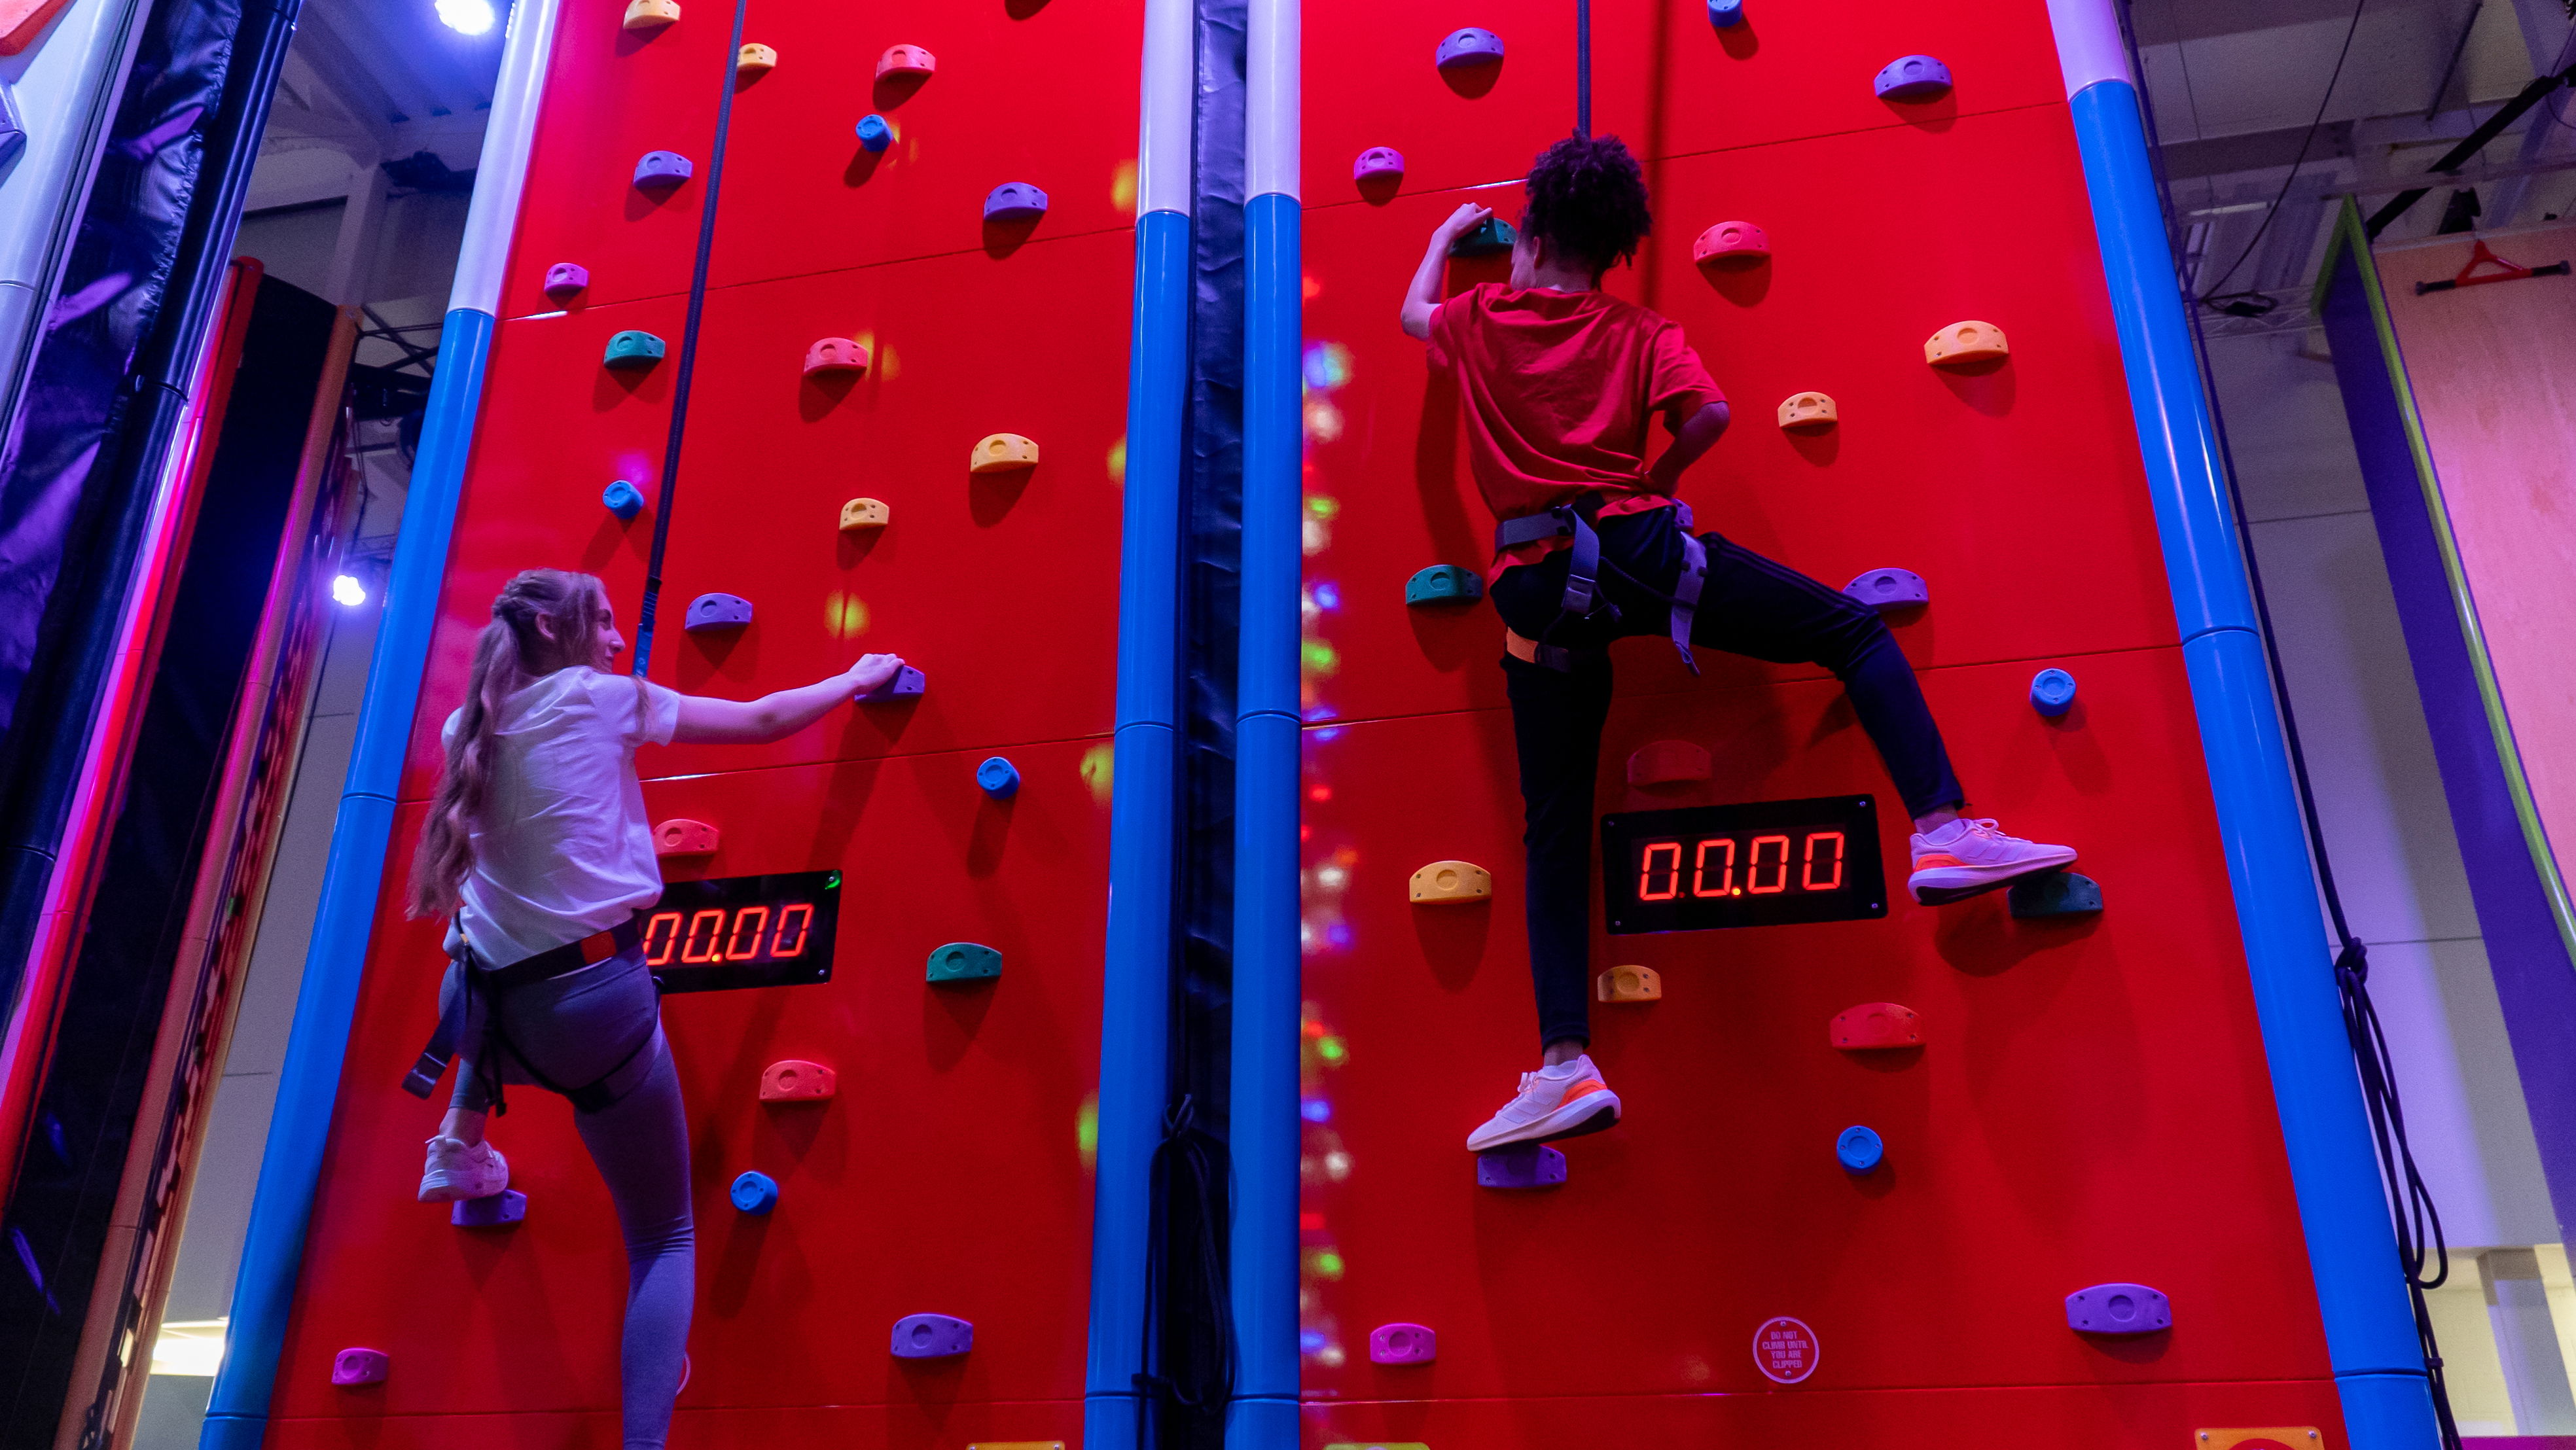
x,y
510,653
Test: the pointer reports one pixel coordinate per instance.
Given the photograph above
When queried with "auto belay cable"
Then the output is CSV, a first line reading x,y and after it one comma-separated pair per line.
x,y
1582,67
688,355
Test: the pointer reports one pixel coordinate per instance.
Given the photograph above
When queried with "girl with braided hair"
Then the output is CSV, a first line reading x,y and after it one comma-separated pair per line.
x,y
1560,381
538,852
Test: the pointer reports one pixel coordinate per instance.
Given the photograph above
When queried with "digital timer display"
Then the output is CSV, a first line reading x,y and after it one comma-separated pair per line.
x,y
744,931
1767,863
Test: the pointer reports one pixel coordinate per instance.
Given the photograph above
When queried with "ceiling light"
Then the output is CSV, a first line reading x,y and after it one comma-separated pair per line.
x,y
349,591
466,17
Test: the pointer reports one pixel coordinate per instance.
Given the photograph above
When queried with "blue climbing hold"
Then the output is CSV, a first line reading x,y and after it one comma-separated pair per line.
x,y
999,778
500,1210
1725,14
1470,46
1859,1149
1015,201
755,1192
1913,78
907,684
932,1336
717,611
874,133
2118,1309
2052,692
622,499
662,169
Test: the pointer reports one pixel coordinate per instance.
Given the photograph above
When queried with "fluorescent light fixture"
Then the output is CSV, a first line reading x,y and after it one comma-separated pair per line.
x,y
466,17
192,1348
349,591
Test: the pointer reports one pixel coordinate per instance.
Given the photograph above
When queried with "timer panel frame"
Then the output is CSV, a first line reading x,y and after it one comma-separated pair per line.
x,y
682,959
1629,840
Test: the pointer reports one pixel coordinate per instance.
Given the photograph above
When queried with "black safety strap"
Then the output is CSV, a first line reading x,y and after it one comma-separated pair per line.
x,y
1583,575
495,984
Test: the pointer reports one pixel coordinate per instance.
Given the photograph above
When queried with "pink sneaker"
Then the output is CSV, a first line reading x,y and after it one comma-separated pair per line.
x,y
455,1171
1966,858
1563,1101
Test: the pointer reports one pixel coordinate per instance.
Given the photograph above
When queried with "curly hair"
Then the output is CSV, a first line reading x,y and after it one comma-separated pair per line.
x,y
1587,199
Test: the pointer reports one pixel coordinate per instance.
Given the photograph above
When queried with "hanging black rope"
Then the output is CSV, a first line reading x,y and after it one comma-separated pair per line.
x,y
1583,67
688,364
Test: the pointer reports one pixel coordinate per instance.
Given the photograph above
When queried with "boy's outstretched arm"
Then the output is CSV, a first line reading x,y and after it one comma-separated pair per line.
x,y
781,714
1423,297
1692,437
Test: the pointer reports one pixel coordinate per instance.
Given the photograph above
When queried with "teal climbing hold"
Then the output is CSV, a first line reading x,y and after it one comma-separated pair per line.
x,y
633,350
2059,893
1443,584
964,961
1491,235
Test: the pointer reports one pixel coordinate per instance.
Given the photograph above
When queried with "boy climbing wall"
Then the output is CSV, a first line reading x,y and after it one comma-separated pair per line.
x,y
1560,381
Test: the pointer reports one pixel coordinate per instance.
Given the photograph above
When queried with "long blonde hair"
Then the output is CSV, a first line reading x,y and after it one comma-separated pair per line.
x,y
509,655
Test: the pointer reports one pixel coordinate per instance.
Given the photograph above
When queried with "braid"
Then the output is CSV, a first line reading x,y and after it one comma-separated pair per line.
x,y
1587,200
509,654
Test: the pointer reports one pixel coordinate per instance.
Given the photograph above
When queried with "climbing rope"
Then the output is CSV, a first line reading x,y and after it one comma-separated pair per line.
x,y
688,356
1583,67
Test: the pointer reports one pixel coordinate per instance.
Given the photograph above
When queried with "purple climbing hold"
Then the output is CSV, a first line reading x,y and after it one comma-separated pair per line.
x,y
360,1367
1378,162
1403,1344
931,1336
908,683
1913,78
565,277
1470,46
498,1211
717,611
1886,589
1015,201
1522,1165
2118,1309
662,169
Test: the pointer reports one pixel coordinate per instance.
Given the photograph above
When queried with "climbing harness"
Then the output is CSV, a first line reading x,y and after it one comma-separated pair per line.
x,y
496,985
1583,601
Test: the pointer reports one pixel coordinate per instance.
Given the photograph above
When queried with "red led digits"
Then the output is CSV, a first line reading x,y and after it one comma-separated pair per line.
x,y
1808,879
1672,868
1753,869
795,923
704,946
661,934
1726,875
743,942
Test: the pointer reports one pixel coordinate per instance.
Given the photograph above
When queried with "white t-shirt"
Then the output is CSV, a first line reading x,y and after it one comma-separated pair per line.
x,y
565,849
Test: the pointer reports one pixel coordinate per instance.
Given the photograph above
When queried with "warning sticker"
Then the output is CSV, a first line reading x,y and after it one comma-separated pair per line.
x,y
1784,1350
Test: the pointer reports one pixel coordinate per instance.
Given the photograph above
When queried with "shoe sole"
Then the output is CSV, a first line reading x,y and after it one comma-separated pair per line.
x,y
1600,1113
438,1188
1943,895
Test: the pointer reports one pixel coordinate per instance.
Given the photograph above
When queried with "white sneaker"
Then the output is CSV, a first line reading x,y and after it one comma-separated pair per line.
x,y
1563,1101
456,1171
1965,858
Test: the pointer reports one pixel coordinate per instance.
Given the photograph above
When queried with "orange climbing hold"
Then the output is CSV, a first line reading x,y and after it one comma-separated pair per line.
x,y
1662,762
1452,883
651,14
797,1081
754,60
1003,452
1808,412
1964,342
680,836
1629,984
864,513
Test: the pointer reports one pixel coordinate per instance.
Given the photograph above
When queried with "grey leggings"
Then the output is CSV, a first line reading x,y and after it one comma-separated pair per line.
x,y
574,1028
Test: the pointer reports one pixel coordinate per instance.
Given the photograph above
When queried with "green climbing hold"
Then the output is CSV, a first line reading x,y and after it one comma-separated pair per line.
x,y
964,961
633,350
2059,893
1443,584
1491,235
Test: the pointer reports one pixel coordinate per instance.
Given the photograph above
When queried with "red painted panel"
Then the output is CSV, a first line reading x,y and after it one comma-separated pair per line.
x,y
964,580
2017,494
958,1129
930,1422
799,193
2092,1104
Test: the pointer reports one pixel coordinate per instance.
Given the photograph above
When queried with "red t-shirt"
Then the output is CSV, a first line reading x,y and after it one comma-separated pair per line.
x,y
1559,389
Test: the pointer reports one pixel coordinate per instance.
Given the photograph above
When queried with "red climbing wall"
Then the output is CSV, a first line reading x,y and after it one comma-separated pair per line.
x,y
2090,1103
951,1174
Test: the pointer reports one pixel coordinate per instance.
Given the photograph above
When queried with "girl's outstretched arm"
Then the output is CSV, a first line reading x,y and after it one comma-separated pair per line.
x,y
779,715
1422,297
